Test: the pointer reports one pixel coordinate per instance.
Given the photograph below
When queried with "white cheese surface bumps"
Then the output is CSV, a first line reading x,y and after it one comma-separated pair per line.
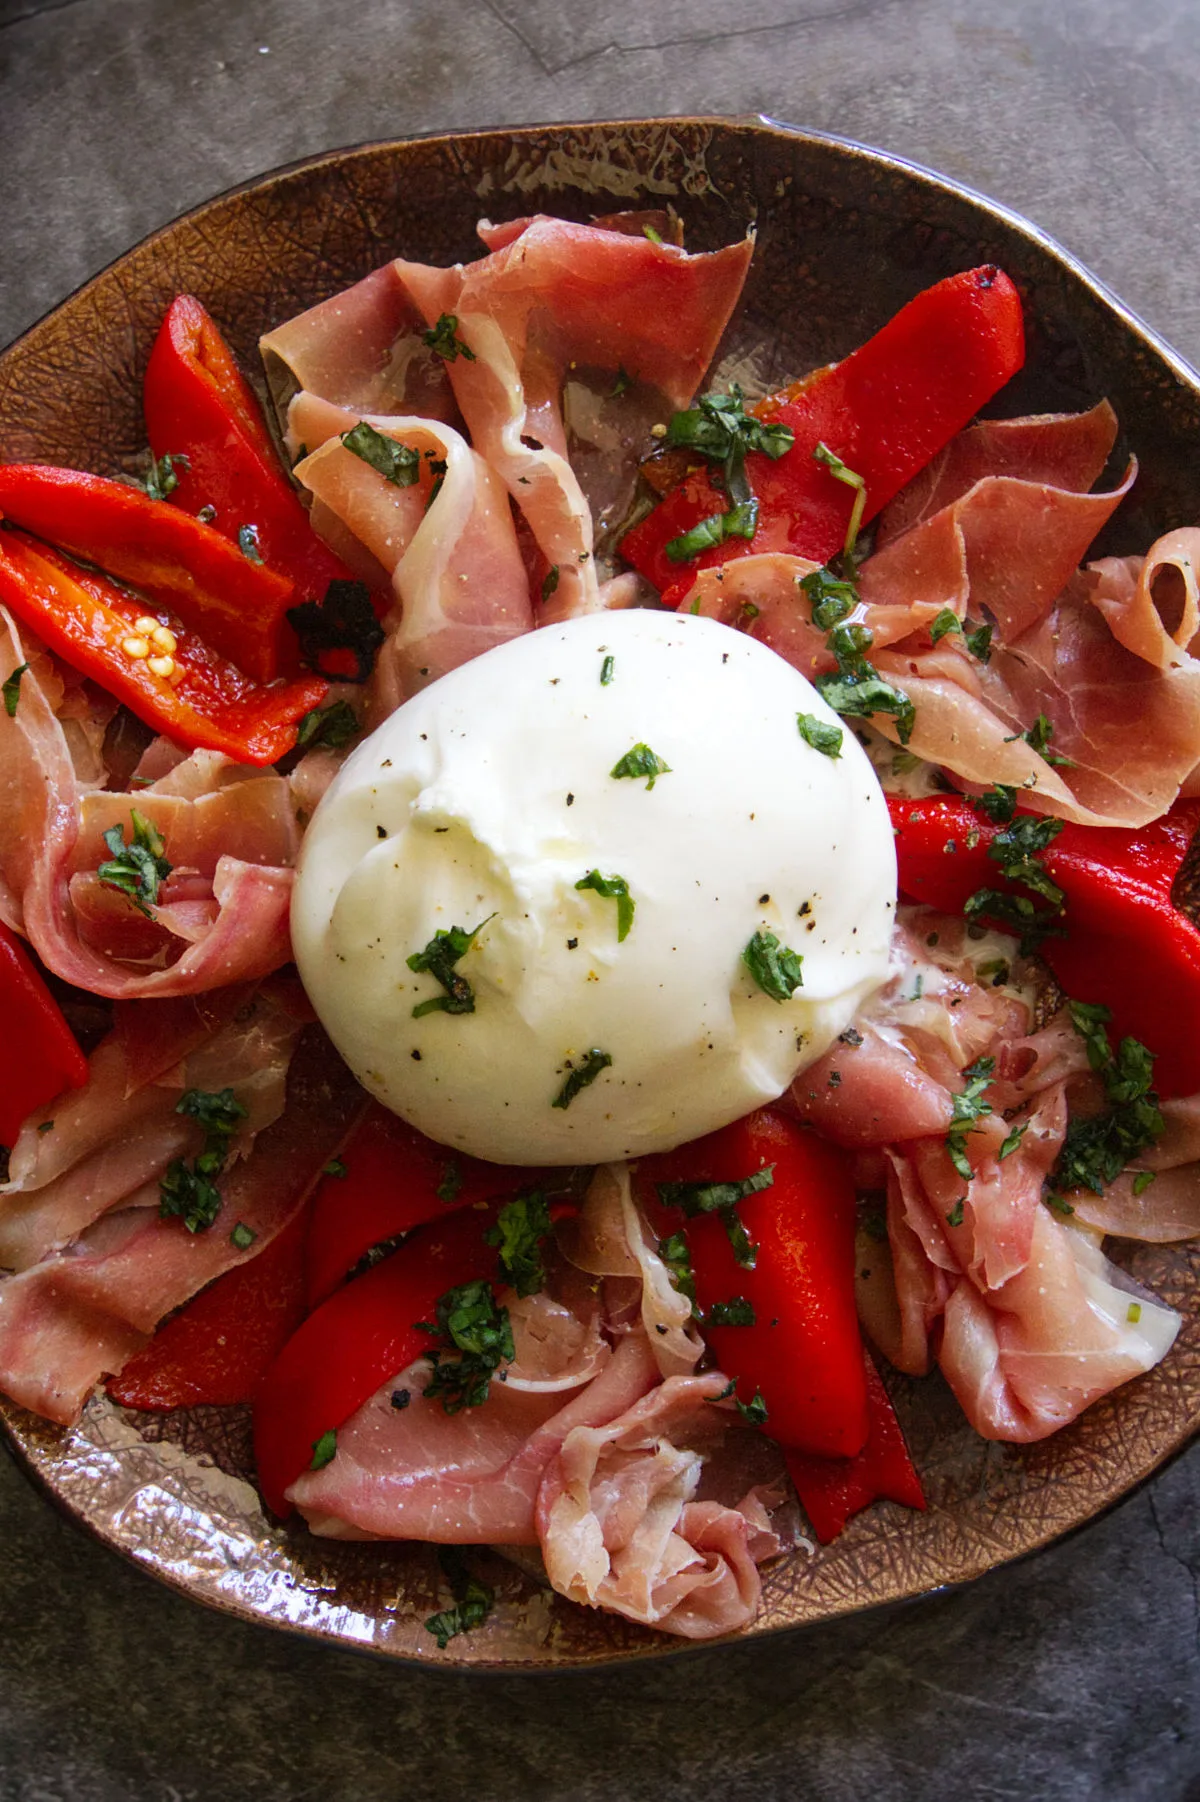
x,y
481,804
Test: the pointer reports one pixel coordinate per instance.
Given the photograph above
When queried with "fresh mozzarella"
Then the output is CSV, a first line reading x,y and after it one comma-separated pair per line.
x,y
482,803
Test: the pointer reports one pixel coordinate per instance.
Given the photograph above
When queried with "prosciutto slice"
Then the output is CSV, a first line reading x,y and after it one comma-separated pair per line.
x,y
619,1528
451,557
465,1478
552,295
81,1313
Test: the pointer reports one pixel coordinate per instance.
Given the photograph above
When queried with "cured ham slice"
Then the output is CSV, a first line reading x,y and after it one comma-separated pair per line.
x,y
94,1147
555,294
78,1315
1158,1198
619,1528
451,556
465,1478
1152,603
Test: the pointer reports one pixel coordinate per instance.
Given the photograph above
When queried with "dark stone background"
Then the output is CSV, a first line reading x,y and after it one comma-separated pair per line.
x,y
1071,1678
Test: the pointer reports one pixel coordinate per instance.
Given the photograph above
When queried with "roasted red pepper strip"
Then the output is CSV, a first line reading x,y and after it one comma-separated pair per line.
x,y
395,1179
832,1490
86,619
885,410
235,605
365,1333
804,1351
1127,945
218,1348
38,1053
199,406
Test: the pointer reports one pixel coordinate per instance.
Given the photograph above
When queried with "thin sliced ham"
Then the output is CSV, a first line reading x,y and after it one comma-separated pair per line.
x,y
78,1315
619,1528
451,557
556,294
466,1478
1152,603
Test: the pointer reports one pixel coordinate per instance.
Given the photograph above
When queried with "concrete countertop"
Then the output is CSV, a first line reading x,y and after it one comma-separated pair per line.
x,y
1074,1677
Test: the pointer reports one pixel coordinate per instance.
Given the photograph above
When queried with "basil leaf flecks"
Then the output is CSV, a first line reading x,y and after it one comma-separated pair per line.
x,y
1098,1148
438,960
720,429
344,622
160,479
737,1311
450,1186
324,1449
333,726
754,1411
740,521
714,1198
612,888
979,642
521,1226
946,621
830,597
444,341
955,1216
858,690
606,671
582,1076
677,1257
641,761
775,967
550,582
1012,1141
967,1108
397,463
477,1335
11,690
188,1191
138,868
851,478
473,1600
820,735
242,1236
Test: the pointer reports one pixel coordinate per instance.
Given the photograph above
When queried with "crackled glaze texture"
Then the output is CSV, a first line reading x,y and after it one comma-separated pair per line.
x,y
845,237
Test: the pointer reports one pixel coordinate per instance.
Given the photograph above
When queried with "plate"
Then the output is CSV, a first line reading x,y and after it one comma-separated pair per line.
x,y
846,235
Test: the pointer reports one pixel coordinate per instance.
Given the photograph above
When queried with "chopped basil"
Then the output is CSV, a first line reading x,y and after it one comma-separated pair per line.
x,y
521,1226
444,341
858,690
612,888
721,1199
478,1336
655,237
999,803
582,1076
1057,1205
1017,849
623,382
737,1311
188,1191
955,1216
1141,1181
677,1257
334,726
438,960
822,737
719,428
47,1126
754,1411
473,1600
1038,739
946,621
1012,1141
966,1109
450,1187
336,1167
242,1236
248,544
343,622
775,968
160,479
851,478
324,1449
641,761
830,598
979,642
397,463
550,582
606,671
1097,1149
11,690
137,868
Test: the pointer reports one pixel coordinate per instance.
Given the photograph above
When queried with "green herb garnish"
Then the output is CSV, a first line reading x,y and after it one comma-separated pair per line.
x,y
830,597
478,1335
837,469
334,726
188,1191
822,737
242,1236
754,1411
966,1109
606,671
324,1449
397,463
137,868
550,582
979,642
720,429
473,1600
775,968
955,1216
612,888
582,1076
1096,1150
1012,1141
946,621
858,690
11,690
160,479
737,1311
721,1199
444,341
677,1257
248,544
520,1228
450,1186
641,761
438,960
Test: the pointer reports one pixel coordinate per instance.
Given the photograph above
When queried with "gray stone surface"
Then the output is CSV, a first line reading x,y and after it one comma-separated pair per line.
x,y
1070,1678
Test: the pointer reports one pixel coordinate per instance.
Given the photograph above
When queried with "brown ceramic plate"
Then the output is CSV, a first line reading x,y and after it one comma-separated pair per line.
x,y
846,236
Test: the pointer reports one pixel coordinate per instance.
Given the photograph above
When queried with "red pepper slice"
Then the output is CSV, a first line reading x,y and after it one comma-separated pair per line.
x,y
218,1348
199,406
86,618
38,1053
832,1490
237,606
365,1333
1127,945
885,410
395,1179
804,1351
